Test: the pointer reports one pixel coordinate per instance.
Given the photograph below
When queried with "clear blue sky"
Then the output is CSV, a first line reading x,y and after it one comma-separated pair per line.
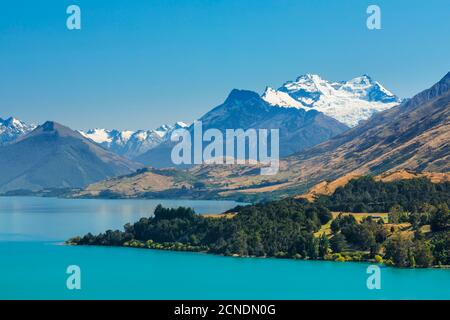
x,y
140,63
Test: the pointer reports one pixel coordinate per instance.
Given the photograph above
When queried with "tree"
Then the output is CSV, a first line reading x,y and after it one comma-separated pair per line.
x,y
324,214
239,243
441,248
324,245
312,247
423,254
338,243
440,219
342,222
256,245
397,215
398,250
422,215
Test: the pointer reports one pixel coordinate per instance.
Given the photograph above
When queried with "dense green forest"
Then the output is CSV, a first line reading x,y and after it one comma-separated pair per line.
x,y
280,228
417,233
367,195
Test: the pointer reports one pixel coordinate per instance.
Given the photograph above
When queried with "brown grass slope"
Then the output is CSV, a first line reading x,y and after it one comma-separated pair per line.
x,y
329,187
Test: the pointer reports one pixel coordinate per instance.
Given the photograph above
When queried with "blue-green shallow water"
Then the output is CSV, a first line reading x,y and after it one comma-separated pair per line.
x,y
33,265
37,270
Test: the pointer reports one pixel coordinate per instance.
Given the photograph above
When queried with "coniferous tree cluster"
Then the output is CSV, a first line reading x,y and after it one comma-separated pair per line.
x,y
367,195
281,228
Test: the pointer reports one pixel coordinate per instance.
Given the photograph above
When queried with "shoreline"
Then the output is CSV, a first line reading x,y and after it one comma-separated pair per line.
x,y
367,261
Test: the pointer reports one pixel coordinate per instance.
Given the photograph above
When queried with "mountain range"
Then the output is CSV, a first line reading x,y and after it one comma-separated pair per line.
x,y
127,143
307,111
54,156
315,142
348,102
242,109
131,144
413,136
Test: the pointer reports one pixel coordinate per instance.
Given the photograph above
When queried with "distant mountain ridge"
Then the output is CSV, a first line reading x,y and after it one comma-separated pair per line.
x,y
131,144
346,101
54,156
126,143
12,128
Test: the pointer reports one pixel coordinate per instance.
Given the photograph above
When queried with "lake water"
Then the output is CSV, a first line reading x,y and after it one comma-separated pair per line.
x,y
33,263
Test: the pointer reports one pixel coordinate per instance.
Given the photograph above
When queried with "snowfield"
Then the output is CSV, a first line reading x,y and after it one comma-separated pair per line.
x,y
347,101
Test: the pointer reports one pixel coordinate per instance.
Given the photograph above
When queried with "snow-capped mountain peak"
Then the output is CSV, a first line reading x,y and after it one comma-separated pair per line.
x,y
282,99
104,136
366,88
163,130
12,128
98,135
347,101
14,123
131,143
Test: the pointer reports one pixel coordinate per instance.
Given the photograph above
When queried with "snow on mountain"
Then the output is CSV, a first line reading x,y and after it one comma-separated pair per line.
x,y
108,137
347,101
12,128
127,143
132,143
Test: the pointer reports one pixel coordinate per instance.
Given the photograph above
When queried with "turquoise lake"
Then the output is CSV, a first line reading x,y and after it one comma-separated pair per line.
x,y
33,262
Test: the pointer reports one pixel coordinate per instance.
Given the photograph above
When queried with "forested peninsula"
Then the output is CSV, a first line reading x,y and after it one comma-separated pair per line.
x,y
403,223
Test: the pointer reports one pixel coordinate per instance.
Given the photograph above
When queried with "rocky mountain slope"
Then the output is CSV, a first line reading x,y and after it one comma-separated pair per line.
x,y
298,128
